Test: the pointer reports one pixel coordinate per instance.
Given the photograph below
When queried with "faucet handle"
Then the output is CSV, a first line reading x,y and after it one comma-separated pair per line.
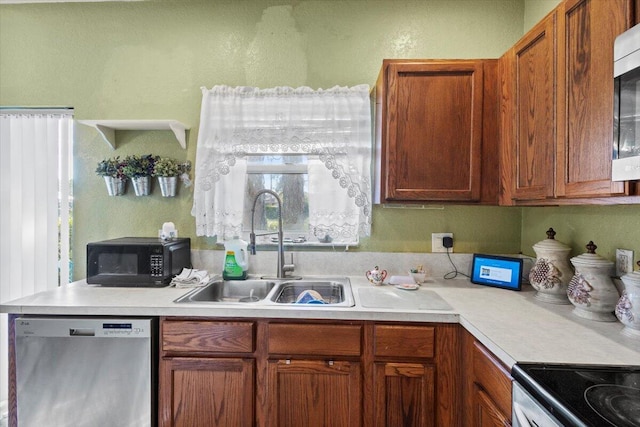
x,y
252,243
289,267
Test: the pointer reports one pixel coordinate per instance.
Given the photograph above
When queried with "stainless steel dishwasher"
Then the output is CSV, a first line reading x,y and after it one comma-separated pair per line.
x,y
86,372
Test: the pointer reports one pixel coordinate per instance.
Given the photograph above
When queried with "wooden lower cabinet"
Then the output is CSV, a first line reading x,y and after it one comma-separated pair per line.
x,y
404,394
207,392
485,411
487,386
307,373
207,373
306,393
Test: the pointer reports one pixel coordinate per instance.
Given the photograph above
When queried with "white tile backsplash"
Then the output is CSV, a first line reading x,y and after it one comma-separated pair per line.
x,y
340,263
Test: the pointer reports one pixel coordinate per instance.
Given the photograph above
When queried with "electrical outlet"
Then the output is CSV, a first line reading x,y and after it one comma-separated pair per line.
x,y
436,242
624,262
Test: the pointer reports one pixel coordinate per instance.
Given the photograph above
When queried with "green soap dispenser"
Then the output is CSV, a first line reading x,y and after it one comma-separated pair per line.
x,y
236,265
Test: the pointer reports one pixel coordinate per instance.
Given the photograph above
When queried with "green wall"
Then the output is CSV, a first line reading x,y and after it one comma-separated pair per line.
x,y
148,60
610,227
535,10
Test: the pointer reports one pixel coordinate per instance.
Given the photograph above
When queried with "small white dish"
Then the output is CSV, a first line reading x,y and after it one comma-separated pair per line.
x,y
407,286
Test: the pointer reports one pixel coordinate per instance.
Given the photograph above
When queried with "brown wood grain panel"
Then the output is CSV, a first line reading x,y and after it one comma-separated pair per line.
x,y
534,116
490,164
207,336
404,341
507,127
585,95
486,414
432,130
449,391
493,377
314,393
205,392
404,395
315,339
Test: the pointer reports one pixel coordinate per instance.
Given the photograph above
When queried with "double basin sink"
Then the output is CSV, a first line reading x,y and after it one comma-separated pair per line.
x,y
318,292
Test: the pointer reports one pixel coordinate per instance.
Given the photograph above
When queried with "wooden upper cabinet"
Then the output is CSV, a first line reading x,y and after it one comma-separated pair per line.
x,y
431,130
585,95
528,152
557,107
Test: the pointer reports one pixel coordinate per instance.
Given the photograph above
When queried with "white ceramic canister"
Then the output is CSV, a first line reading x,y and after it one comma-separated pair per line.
x,y
628,307
591,289
551,273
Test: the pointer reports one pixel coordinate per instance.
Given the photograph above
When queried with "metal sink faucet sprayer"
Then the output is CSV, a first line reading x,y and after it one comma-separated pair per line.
x,y
282,268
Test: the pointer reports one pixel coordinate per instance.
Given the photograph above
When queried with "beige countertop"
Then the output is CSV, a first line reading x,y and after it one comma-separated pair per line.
x,y
514,325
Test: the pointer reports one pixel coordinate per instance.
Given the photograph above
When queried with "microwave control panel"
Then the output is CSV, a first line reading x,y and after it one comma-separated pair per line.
x,y
155,265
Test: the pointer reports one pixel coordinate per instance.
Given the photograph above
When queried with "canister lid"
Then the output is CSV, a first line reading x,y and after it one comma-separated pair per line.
x,y
591,258
632,278
550,244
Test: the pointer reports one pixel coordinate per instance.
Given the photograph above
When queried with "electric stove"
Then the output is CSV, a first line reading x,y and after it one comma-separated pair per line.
x,y
584,395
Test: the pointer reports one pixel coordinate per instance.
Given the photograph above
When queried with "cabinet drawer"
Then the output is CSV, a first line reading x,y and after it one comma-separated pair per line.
x,y
207,336
315,339
492,376
404,341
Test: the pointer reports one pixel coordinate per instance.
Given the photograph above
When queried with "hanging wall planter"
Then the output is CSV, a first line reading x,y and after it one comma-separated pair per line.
x,y
141,185
114,178
168,185
115,186
168,170
139,170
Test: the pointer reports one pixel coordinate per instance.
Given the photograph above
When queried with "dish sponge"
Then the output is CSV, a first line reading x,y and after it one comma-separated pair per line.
x,y
310,296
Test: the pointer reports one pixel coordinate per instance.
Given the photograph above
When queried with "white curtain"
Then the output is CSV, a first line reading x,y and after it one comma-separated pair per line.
x,y
34,165
331,127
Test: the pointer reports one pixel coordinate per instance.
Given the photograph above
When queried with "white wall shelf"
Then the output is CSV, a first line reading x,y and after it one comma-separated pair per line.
x,y
107,128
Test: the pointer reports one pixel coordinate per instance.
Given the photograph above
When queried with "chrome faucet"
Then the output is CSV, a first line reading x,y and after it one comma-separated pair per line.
x,y
282,267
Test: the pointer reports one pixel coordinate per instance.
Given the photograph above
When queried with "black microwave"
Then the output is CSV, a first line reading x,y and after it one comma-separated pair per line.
x,y
137,261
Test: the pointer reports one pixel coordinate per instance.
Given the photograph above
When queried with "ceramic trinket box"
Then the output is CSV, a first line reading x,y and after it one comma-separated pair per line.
x,y
591,289
551,272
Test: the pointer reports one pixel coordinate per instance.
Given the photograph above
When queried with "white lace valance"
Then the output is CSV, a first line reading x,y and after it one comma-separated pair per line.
x,y
331,127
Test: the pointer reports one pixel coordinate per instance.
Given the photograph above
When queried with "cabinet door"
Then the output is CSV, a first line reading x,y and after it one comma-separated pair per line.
x,y
206,392
404,394
585,95
432,131
486,413
530,122
308,393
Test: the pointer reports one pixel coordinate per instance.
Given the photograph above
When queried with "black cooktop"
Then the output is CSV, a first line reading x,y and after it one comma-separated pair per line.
x,y
584,395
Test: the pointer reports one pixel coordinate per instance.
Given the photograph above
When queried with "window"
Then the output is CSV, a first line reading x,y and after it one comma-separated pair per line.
x,y
35,195
313,148
288,177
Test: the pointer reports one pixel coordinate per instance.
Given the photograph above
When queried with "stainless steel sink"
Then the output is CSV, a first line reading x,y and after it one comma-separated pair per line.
x,y
322,292
327,292
243,291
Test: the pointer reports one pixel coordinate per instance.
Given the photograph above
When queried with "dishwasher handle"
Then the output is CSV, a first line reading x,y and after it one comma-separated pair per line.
x,y
82,332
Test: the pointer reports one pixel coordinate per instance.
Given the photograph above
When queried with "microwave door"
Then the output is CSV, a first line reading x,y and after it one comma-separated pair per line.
x,y
626,150
626,137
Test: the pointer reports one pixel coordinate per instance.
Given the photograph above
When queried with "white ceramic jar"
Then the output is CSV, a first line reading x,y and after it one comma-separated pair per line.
x,y
628,307
591,289
551,273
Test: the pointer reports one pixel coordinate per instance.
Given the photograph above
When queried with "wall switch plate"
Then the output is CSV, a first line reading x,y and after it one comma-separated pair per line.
x,y
624,262
436,242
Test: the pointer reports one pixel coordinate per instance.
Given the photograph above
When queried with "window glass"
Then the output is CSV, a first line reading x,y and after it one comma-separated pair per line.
x,y
287,176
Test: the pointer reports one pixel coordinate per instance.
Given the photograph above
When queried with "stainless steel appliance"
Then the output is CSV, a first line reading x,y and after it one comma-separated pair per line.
x,y
626,121
86,372
137,261
575,395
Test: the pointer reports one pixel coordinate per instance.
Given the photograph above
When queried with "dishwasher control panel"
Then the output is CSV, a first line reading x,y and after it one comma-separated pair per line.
x,y
83,327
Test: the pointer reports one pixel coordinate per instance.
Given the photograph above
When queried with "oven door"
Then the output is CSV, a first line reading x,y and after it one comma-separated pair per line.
x,y
527,412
